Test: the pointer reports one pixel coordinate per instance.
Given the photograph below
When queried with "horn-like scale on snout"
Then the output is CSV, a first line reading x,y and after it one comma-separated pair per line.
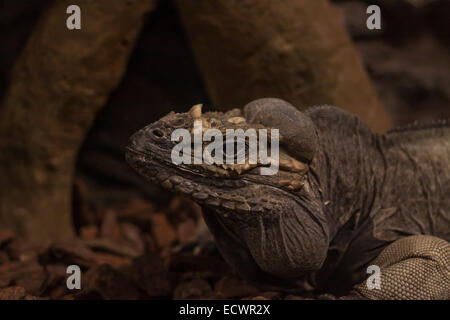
x,y
196,111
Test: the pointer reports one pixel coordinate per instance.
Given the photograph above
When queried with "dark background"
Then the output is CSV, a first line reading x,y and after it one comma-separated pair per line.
x,y
408,63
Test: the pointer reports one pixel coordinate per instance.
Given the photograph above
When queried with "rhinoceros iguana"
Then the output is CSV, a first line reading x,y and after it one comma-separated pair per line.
x,y
343,199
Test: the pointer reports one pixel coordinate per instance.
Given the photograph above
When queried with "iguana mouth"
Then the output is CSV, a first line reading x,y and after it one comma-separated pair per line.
x,y
225,194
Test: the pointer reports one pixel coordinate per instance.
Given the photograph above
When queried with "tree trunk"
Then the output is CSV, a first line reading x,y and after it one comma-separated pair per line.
x,y
60,81
296,50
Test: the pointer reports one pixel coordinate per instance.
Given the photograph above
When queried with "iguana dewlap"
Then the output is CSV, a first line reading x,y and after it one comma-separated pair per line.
x,y
344,198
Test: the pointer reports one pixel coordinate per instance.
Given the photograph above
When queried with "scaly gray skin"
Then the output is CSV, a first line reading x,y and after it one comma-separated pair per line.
x,y
344,198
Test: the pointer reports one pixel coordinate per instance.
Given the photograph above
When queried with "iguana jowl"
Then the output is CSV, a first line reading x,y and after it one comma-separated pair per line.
x,y
344,198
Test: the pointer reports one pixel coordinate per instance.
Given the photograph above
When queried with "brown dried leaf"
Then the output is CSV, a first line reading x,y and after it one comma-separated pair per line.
x,y
111,246
6,236
89,232
12,293
132,235
194,289
231,287
187,231
135,208
68,253
110,228
149,273
104,282
112,260
162,230
3,258
28,274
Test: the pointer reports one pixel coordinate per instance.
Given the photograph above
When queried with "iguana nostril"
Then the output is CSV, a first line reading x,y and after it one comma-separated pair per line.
x,y
135,138
157,133
138,141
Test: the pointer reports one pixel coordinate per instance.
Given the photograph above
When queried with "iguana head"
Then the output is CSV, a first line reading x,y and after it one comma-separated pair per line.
x,y
239,193
226,185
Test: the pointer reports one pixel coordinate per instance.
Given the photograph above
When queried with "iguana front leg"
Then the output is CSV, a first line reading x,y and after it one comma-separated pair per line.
x,y
415,267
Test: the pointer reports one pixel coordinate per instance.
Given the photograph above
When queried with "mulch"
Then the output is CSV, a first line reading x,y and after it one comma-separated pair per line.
x,y
132,251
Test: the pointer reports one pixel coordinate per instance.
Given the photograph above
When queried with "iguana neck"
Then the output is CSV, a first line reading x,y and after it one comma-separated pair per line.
x,y
346,168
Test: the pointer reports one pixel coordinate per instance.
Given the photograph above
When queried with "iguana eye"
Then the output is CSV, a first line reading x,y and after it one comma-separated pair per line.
x,y
157,133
